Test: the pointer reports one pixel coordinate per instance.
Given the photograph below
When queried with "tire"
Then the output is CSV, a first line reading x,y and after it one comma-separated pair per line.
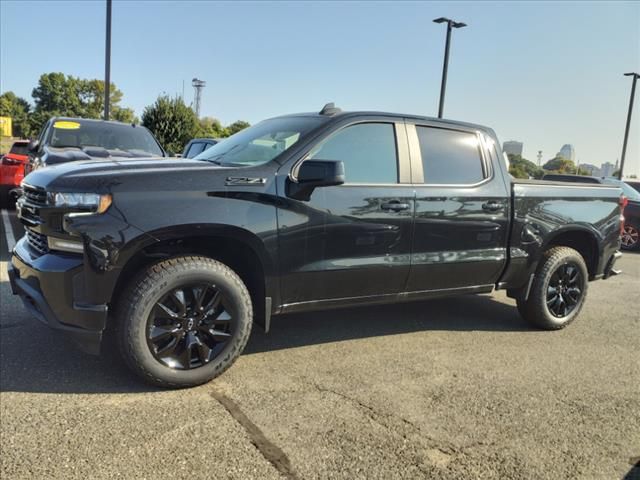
x,y
552,280
631,237
163,335
4,198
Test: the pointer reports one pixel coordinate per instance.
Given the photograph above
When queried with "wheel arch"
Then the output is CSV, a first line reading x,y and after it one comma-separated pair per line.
x,y
584,240
241,250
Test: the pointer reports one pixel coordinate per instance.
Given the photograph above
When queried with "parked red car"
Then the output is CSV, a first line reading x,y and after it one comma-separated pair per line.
x,y
12,170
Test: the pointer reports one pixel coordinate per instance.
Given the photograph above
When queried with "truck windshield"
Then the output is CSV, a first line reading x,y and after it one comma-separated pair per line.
x,y
260,143
119,139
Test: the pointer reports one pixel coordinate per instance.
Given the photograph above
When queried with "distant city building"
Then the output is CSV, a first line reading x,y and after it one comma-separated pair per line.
x,y
592,169
607,169
567,152
512,147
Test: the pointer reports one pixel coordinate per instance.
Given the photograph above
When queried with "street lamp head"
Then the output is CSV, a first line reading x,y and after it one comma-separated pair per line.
x,y
441,20
632,74
458,24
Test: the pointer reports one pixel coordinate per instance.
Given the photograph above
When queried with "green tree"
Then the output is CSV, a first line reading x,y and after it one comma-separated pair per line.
x,y
209,127
92,100
236,126
560,164
58,94
18,109
172,122
124,115
522,168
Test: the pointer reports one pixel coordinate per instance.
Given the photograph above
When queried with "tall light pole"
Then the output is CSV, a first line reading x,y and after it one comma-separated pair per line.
x,y
450,24
626,130
107,62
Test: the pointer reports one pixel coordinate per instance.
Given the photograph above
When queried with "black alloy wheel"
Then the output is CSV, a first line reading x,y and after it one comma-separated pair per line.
x,y
189,326
630,237
564,292
558,291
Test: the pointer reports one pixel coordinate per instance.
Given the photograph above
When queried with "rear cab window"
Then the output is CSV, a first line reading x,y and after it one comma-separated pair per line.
x,y
20,149
195,149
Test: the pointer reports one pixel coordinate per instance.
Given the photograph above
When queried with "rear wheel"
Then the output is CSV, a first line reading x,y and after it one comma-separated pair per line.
x,y
631,236
184,321
5,201
558,291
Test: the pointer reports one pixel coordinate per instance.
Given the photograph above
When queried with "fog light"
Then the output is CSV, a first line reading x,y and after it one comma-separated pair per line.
x,y
65,245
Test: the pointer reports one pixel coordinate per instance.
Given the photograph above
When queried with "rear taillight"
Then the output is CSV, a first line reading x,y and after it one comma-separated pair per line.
x,y
623,203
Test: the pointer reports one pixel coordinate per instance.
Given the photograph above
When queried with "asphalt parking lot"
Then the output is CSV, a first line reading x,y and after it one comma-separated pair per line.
x,y
451,388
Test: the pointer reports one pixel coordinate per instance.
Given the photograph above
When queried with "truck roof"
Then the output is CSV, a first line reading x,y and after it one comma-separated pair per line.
x,y
365,113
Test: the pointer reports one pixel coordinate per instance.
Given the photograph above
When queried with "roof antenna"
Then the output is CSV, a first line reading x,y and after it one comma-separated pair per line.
x,y
330,109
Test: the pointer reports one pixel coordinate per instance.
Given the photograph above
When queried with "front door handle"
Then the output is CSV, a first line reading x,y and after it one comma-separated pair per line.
x,y
492,206
395,206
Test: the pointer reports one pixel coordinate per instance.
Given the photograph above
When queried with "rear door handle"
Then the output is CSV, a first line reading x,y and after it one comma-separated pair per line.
x,y
395,206
492,206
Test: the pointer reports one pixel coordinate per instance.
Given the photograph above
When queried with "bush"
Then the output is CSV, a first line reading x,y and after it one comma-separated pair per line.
x,y
172,122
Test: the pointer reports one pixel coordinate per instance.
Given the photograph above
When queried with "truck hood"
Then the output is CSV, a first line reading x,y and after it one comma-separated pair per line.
x,y
57,155
103,176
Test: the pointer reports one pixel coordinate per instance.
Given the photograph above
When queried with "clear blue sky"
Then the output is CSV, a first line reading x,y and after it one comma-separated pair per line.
x,y
545,73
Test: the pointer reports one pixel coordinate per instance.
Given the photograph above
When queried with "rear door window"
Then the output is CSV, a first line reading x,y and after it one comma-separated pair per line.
x,y
450,157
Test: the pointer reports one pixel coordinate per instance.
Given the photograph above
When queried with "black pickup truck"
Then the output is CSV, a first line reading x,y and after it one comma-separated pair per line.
x,y
177,259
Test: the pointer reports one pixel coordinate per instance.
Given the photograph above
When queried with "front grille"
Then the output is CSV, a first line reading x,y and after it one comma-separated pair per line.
x,y
37,241
34,195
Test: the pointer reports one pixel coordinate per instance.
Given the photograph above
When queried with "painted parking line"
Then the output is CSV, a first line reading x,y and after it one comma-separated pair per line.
x,y
8,230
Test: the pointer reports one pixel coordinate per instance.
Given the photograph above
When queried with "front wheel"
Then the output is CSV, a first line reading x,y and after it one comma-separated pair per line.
x,y
184,321
559,290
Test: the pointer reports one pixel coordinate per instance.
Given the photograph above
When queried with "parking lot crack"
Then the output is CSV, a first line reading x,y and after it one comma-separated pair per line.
x,y
269,450
382,419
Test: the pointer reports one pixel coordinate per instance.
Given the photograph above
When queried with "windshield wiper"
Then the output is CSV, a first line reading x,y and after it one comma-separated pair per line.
x,y
215,157
216,162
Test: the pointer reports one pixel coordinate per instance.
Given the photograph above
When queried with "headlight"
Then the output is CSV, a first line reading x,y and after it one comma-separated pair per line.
x,y
93,201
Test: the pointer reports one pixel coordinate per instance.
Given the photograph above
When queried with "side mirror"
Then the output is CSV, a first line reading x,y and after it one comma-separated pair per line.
x,y
33,146
313,174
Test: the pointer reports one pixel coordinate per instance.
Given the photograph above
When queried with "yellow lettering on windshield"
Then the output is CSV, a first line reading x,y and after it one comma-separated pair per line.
x,y
65,125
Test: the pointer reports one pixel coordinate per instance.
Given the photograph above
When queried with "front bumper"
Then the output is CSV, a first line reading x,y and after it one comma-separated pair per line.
x,y
46,285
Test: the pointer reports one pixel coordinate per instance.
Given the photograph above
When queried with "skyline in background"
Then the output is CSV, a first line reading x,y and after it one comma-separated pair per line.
x,y
545,74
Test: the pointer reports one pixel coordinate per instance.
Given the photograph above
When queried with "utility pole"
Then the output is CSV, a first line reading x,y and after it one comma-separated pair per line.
x,y
626,130
107,63
443,86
